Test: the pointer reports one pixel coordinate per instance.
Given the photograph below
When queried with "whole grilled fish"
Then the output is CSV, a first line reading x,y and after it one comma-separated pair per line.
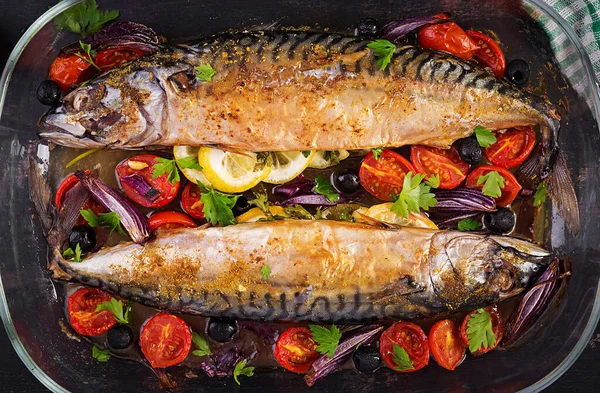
x,y
320,271
290,90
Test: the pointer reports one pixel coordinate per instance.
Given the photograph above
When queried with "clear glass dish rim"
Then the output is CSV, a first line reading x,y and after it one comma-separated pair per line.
x,y
63,5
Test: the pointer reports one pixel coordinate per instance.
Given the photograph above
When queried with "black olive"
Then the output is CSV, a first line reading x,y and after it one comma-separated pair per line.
x,y
500,221
48,92
346,181
241,206
120,337
366,359
518,71
85,236
367,26
469,150
221,329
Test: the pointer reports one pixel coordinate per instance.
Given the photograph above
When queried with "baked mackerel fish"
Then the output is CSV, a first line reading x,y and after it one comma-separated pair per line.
x,y
320,270
300,90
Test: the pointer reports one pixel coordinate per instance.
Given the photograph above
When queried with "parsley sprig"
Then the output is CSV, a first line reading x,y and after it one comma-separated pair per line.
x,y
383,50
75,255
202,344
479,331
323,186
110,220
241,369
484,136
401,359
492,184
377,152
89,54
84,18
164,165
414,196
433,181
205,72
468,224
217,206
540,194
265,272
328,339
120,311
101,355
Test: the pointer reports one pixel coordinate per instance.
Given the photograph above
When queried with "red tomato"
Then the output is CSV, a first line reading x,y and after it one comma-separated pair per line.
x,y
448,37
497,327
511,184
384,177
165,340
295,349
490,54
69,70
113,57
512,147
65,186
446,344
169,220
167,191
408,336
444,162
190,201
81,308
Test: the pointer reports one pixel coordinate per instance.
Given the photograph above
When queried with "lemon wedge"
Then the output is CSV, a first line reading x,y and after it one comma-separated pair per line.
x,y
193,175
382,212
287,165
256,214
323,158
233,172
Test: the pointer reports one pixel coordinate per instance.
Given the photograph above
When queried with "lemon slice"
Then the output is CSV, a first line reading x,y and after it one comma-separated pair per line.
x,y
193,175
287,165
383,213
322,158
256,214
233,172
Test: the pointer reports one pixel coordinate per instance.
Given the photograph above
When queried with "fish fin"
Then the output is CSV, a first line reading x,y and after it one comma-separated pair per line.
x,y
39,189
266,26
528,173
376,223
562,193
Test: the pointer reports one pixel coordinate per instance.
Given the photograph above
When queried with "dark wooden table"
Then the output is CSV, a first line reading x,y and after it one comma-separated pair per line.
x,y
15,17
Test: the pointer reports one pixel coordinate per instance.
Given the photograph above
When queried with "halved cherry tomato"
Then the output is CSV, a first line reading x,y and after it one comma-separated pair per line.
x,y
448,37
170,220
408,336
512,147
165,340
490,54
67,70
190,201
383,178
90,204
511,184
81,308
143,166
497,328
295,349
446,344
113,57
444,162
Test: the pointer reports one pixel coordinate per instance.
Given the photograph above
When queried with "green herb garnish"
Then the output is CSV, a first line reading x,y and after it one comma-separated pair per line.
x,y
164,165
110,220
484,136
87,48
84,18
241,369
383,50
479,331
401,359
115,306
261,200
324,187
75,255
492,183
332,156
82,156
205,72
306,153
414,196
101,355
468,224
202,345
328,339
217,206
433,181
265,272
377,152
540,194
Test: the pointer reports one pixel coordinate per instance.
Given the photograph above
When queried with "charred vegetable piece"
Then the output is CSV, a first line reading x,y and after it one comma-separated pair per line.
x,y
518,71
85,236
48,92
120,337
165,340
367,27
221,330
446,344
366,359
346,181
81,309
295,349
500,221
470,150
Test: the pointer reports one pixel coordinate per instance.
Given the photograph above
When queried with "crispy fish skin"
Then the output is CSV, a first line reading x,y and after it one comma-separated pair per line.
x,y
320,271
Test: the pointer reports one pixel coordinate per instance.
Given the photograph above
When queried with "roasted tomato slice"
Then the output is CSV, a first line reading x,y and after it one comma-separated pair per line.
x,y
511,184
295,349
497,328
444,162
411,338
81,307
170,220
67,70
190,201
90,204
512,147
490,55
161,193
448,37
383,178
446,344
113,57
165,340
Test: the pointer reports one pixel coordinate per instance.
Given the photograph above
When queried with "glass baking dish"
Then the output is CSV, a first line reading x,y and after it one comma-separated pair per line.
x,y
31,307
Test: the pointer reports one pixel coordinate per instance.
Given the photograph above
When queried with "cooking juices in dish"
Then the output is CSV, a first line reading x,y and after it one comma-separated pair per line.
x,y
338,225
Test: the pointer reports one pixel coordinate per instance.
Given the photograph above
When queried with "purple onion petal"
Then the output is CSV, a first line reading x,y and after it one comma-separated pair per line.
x,y
68,214
119,34
300,185
456,204
141,186
396,30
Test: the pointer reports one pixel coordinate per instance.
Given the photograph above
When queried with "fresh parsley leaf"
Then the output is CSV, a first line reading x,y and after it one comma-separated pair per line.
x,y
205,72
401,359
110,220
306,153
383,50
75,255
90,217
328,339
492,183
468,224
189,162
87,48
202,344
261,200
217,206
479,331
170,167
540,194
414,196
265,272
324,187
377,152
115,306
101,355
332,156
433,181
68,253
84,18
484,136
241,369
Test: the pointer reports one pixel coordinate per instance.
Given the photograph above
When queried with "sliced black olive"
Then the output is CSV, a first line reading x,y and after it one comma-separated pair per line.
x,y
346,181
241,206
367,26
85,236
48,92
469,150
120,337
500,221
366,359
518,71
221,329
